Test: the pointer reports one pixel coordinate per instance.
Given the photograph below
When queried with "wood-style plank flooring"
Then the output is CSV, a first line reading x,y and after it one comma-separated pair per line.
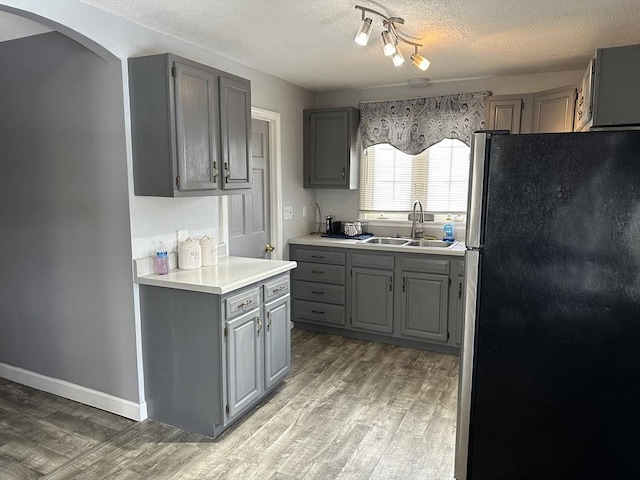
x,y
350,409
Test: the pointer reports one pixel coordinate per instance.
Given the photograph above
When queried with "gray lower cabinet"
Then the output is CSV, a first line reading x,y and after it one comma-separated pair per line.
x,y
406,299
190,127
209,358
277,341
424,312
319,290
372,292
244,361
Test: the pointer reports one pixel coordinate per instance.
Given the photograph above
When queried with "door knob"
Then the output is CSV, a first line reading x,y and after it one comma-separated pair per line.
x,y
269,248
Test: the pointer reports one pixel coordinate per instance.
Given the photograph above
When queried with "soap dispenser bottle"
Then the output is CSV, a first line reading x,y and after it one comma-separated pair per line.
x,y
448,229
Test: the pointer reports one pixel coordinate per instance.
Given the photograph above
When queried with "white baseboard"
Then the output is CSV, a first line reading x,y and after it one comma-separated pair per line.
x,y
78,393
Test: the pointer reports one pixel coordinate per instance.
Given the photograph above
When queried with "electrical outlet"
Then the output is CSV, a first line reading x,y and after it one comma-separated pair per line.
x,y
304,212
288,213
183,234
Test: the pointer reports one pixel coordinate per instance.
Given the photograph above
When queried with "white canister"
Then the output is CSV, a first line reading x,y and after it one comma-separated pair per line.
x,y
189,254
209,251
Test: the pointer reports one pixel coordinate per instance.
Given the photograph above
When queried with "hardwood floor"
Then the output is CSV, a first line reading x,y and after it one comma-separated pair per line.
x,y
350,409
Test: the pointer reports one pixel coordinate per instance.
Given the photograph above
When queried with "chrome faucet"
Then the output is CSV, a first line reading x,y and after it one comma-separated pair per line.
x,y
416,233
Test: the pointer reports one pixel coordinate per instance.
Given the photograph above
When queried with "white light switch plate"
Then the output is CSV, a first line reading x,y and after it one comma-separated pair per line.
x,y
288,213
304,212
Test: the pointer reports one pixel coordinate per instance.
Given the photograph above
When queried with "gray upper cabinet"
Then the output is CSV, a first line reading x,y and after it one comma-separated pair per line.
x,y
504,112
548,111
553,110
189,125
609,95
235,128
331,156
197,128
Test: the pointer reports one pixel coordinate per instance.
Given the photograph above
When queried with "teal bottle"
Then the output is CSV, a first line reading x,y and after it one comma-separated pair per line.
x,y
448,230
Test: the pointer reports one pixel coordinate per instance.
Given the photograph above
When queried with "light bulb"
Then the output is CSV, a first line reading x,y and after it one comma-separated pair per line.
x,y
387,44
420,62
362,37
397,58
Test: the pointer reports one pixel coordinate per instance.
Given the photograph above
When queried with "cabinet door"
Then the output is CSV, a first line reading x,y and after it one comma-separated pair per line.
x,y
553,111
327,148
197,128
277,341
235,128
424,306
584,100
372,300
244,361
504,113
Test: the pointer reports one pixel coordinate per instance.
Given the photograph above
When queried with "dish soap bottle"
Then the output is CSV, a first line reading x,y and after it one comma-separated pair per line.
x,y
448,229
161,260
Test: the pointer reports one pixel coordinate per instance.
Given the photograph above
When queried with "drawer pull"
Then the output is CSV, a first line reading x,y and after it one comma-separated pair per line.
x,y
279,289
320,257
316,292
317,272
317,312
245,303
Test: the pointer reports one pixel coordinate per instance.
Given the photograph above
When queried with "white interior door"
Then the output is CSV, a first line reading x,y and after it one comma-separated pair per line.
x,y
249,226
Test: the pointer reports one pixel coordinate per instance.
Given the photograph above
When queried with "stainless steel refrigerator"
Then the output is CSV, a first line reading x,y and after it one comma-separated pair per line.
x,y
550,360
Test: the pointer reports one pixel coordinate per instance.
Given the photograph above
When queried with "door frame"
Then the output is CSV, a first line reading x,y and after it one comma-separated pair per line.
x,y
275,184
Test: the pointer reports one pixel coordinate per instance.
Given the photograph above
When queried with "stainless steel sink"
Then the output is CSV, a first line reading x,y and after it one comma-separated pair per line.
x,y
430,243
387,241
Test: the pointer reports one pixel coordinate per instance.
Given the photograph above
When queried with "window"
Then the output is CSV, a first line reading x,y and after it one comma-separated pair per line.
x,y
390,180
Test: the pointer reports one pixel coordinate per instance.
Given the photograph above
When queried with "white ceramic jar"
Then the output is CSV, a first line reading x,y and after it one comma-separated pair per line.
x,y
209,251
189,254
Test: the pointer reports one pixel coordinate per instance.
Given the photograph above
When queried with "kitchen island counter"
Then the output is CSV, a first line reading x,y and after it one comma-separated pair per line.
x,y
230,274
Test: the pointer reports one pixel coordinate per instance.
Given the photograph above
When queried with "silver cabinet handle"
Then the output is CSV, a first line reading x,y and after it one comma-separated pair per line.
x,y
268,321
279,289
259,324
215,171
317,272
245,303
317,312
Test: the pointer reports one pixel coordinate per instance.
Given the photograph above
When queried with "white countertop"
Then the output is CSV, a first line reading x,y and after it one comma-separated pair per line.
x,y
230,274
456,250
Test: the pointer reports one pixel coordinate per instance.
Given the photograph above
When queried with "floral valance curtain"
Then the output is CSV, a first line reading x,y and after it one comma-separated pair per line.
x,y
414,125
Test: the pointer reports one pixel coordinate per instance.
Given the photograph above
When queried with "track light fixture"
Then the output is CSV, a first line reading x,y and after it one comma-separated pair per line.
x,y
390,37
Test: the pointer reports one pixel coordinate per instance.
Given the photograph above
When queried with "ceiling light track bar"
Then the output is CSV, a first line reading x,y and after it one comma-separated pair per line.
x,y
390,37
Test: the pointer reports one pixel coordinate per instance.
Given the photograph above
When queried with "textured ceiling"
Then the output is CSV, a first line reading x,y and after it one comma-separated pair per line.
x,y
310,42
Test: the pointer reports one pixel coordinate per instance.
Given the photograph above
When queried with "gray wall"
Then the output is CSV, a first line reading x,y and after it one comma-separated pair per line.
x,y
66,294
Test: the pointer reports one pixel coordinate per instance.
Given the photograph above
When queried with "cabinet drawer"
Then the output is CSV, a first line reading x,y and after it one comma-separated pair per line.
x,y
414,264
460,267
318,256
318,312
316,272
243,302
319,292
276,288
377,261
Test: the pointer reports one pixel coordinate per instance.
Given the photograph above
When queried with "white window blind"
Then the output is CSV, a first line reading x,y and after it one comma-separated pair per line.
x,y
390,180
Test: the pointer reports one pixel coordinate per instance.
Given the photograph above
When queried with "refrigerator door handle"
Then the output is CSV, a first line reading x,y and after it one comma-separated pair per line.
x,y
476,187
469,292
